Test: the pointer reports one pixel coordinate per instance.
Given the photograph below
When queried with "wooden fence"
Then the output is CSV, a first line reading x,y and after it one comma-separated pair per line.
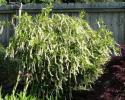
x,y
113,15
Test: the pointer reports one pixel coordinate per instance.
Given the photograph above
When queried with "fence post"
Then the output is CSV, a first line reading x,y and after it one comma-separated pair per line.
x,y
18,7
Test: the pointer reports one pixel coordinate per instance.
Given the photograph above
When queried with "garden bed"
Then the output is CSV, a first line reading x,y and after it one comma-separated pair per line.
x,y
110,86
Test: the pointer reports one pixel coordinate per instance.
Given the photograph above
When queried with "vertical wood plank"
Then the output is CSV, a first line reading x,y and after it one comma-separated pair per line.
x,y
113,15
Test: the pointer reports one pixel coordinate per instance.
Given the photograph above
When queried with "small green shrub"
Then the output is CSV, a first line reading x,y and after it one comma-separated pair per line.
x,y
3,2
59,52
20,96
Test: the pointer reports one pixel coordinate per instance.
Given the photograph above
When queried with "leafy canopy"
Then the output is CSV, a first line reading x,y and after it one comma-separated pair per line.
x,y
60,52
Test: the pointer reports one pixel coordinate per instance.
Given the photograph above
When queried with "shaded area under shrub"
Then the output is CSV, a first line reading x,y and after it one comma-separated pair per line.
x,y
8,71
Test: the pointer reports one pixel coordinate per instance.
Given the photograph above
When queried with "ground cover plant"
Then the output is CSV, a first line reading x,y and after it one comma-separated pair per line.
x,y
20,96
59,53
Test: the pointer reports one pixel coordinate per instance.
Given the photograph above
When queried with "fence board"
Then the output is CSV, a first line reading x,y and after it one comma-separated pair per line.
x,y
113,15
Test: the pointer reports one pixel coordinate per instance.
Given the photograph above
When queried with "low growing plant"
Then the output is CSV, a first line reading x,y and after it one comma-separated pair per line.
x,y
20,96
3,2
59,52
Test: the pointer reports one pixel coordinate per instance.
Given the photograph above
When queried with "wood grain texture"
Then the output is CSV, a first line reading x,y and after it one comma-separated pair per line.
x,y
113,15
